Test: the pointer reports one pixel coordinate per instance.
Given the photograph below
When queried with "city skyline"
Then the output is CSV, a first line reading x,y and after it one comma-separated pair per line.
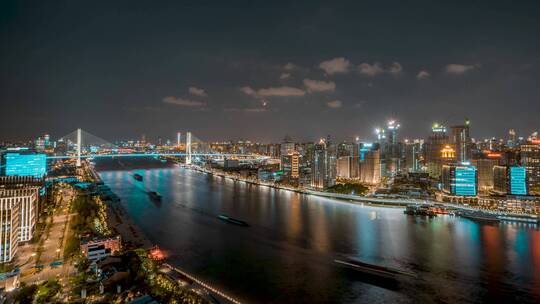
x,y
262,71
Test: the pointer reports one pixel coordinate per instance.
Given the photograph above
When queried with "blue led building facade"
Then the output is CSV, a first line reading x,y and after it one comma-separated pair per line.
x,y
518,181
24,163
460,180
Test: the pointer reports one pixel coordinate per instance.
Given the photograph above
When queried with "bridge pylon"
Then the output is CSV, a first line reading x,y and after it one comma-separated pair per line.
x,y
188,148
79,143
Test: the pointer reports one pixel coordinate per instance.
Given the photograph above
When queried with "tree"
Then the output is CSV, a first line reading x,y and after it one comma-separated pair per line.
x,y
25,294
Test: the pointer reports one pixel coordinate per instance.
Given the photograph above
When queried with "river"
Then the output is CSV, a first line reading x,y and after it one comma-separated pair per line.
x,y
286,254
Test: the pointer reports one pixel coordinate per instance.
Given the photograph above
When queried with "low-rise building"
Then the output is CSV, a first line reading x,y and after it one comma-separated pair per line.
x,y
99,248
19,198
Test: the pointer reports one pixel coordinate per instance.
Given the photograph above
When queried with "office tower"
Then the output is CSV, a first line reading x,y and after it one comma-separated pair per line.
x,y
462,142
393,153
511,138
295,165
318,166
459,180
484,168
347,149
47,140
433,157
61,147
23,162
363,148
287,148
9,224
323,164
448,154
347,167
19,197
530,159
500,179
412,150
370,167
331,161
510,180
290,164
39,144
517,180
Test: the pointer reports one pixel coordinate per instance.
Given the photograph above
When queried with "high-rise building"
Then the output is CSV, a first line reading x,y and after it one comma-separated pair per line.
x,y
290,164
318,166
47,140
23,162
530,159
433,155
412,150
19,197
295,165
459,180
517,180
510,180
511,138
370,167
287,148
323,165
485,173
39,144
462,142
347,167
363,148
391,154
331,161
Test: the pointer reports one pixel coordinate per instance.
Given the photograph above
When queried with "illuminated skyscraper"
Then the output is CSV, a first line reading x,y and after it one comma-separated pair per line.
x,y
433,150
510,180
530,159
459,180
412,150
286,149
370,168
485,169
391,156
517,180
347,167
47,140
323,165
331,161
318,166
462,142
295,165
511,138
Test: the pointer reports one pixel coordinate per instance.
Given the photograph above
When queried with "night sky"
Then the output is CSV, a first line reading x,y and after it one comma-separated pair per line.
x,y
263,69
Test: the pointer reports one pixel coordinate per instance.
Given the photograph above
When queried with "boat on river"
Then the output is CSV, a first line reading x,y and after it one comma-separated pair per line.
x,y
479,216
154,196
374,269
419,210
231,220
138,177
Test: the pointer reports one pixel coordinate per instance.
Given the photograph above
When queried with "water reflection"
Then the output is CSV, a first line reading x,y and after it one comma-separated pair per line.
x,y
286,254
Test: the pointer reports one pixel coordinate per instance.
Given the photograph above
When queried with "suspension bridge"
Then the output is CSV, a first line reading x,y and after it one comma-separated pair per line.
x,y
85,145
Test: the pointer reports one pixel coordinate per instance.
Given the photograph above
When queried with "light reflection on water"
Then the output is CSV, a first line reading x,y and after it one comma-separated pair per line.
x,y
286,254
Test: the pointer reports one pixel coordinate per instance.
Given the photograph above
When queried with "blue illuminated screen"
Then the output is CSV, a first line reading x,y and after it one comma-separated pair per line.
x,y
25,164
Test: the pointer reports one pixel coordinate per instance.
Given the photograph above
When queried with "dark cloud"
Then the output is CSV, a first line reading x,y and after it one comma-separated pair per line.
x,y
107,67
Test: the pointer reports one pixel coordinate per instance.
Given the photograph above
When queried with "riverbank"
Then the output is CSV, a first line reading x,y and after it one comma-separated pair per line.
x,y
133,237
118,218
293,239
380,202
